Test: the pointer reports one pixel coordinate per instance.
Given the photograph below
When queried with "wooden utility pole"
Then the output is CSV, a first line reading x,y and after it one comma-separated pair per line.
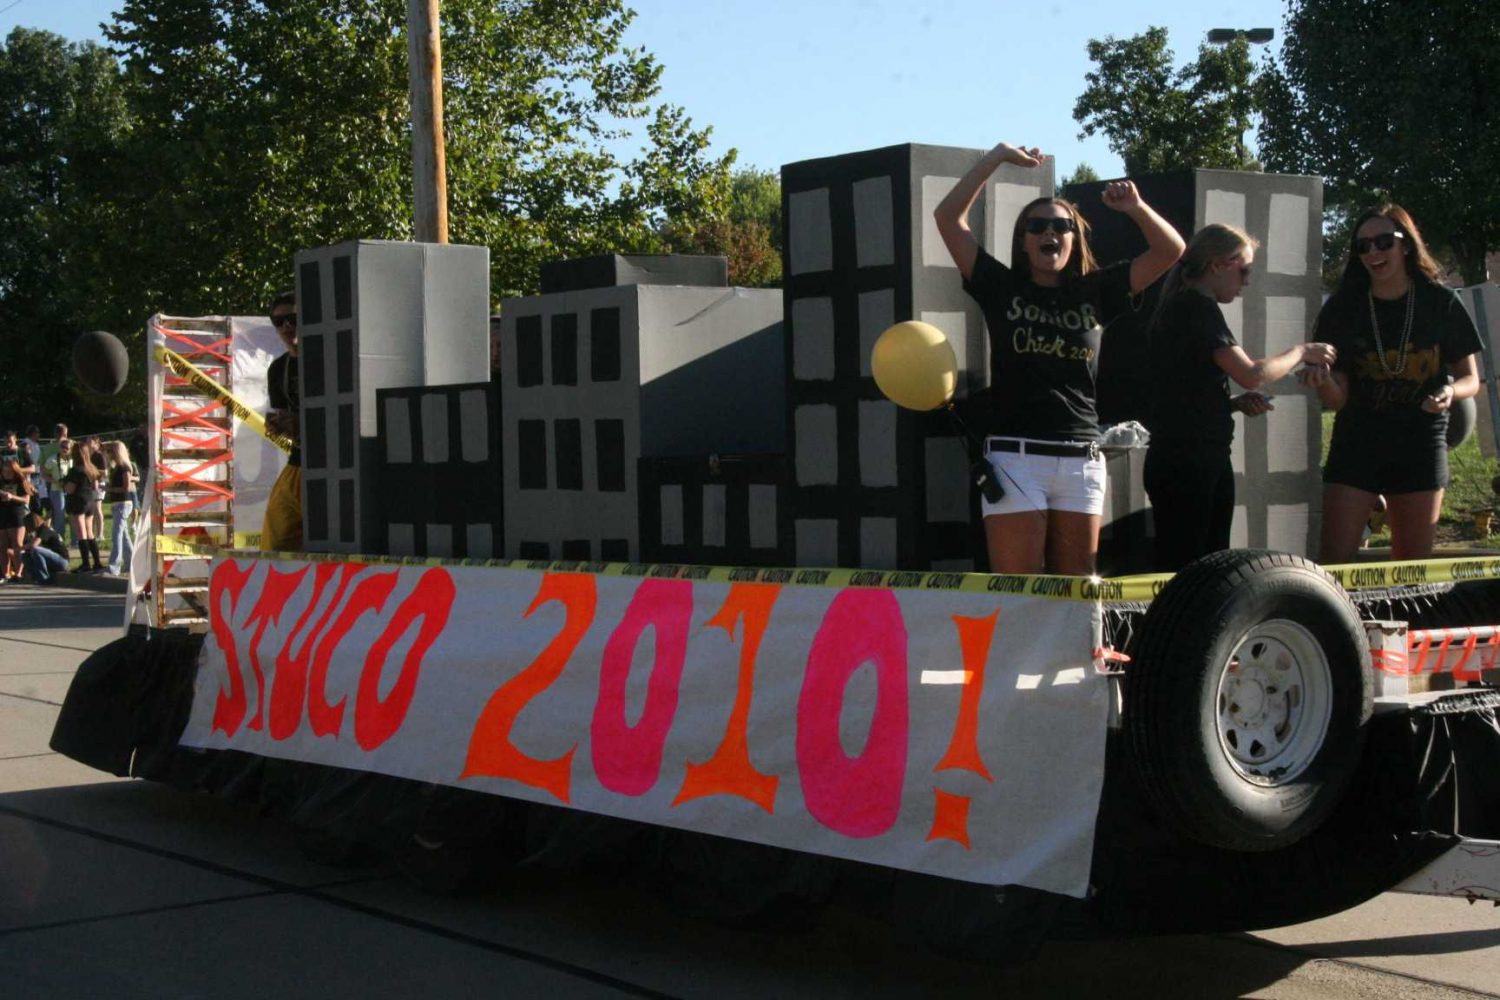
x,y
429,165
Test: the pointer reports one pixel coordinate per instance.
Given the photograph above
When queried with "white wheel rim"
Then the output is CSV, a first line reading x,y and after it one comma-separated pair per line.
x,y
1273,704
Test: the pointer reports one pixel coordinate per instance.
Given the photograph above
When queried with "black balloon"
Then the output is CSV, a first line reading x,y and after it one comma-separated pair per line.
x,y
101,362
1461,416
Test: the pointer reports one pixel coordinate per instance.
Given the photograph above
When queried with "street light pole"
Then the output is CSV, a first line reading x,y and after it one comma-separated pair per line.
x,y
1252,36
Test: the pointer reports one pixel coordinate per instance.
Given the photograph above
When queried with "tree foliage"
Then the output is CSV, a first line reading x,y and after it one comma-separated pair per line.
x,y
285,125
1395,100
1082,174
1157,117
748,234
62,114
182,170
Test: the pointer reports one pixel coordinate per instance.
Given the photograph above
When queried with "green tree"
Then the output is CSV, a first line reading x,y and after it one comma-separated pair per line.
x,y
747,232
62,119
1394,100
1082,174
1160,118
268,127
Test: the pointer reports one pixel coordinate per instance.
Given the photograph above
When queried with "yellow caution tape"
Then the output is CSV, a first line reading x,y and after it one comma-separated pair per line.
x,y
1137,589
186,545
186,370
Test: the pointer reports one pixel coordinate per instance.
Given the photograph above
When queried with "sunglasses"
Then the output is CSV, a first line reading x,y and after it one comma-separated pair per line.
x,y
286,319
1037,227
1384,241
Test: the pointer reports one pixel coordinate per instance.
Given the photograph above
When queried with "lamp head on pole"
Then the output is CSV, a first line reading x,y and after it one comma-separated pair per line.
x,y
1255,36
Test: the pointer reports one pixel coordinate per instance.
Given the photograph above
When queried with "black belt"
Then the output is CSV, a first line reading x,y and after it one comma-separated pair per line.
x,y
1049,449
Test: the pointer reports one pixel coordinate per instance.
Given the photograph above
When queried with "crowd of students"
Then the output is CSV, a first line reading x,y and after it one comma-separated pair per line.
x,y
1390,352
53,491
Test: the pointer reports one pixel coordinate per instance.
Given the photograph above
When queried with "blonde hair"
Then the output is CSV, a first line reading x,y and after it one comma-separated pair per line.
x,y
1214,241
118,453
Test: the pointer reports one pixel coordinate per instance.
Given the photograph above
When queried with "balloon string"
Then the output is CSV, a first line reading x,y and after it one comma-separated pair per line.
x,y
978,445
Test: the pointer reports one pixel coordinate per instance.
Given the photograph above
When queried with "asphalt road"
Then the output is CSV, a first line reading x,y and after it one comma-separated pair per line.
x,y
121,889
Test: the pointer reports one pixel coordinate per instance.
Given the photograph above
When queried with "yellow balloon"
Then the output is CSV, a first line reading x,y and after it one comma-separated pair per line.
x,y
914,365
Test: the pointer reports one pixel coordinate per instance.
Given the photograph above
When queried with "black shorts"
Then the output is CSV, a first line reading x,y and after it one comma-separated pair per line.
x,y
1387,467
74,505
12,516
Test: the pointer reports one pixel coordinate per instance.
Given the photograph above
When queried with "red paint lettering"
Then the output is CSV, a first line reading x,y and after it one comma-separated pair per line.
x,y
228,581
289,686
377,719
276,590
369,595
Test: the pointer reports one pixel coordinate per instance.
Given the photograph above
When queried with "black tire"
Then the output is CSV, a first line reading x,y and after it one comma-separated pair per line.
x,y
1251,758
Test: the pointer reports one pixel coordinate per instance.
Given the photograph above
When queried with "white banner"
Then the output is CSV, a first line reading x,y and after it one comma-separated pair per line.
x,y
954,733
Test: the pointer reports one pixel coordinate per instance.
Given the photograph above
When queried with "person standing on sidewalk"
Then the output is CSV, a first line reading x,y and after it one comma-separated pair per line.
x,y
15,500
33,442
82,488
54,470
120,495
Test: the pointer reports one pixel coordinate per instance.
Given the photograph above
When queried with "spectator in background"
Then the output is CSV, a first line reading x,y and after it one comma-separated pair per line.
x,y
100,472
33,442
12,449
45,554
120,494
16,492
82,488
55,468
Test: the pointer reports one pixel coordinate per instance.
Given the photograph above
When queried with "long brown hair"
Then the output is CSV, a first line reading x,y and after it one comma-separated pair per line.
x,y
1214,241
1419,263
16,475
1080,261
83,458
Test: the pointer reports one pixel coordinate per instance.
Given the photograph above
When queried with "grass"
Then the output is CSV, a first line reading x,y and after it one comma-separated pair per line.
x,y
1469,491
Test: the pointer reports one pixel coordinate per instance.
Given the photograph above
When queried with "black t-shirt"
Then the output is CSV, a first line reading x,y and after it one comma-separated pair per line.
x,y
284,390
50,539
1190,399
20,454
1044,347
1385,395
119,484
85,487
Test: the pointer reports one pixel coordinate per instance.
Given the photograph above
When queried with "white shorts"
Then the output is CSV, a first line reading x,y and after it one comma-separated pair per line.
x,y
1072,481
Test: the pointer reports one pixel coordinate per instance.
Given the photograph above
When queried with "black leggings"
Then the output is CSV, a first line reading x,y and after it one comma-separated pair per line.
x,y
1192,503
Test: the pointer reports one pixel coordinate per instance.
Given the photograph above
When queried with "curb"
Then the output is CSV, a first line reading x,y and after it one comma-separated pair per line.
x,y
92,581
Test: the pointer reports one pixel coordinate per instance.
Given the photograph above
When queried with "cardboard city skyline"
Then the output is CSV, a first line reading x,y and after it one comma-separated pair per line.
x,y
648,412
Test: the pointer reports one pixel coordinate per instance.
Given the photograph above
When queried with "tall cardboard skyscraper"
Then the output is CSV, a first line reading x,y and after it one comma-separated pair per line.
x,y
376,315
873,485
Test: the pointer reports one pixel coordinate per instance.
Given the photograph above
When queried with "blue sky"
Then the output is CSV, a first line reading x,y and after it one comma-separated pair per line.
x,y
787,80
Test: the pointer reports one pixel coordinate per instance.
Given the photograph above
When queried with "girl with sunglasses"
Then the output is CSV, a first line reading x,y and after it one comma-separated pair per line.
x,y
1406,351
1044,313
1193,355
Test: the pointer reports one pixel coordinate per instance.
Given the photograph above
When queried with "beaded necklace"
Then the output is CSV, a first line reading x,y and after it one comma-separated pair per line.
x,y
1400,366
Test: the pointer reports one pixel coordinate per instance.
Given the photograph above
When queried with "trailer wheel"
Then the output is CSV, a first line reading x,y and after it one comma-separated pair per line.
x,y
1247,699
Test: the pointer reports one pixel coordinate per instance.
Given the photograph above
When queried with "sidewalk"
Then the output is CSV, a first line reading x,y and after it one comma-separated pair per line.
x,y
98,582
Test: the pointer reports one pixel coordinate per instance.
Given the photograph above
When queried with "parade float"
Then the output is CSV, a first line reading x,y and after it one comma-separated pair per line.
x,y
683,593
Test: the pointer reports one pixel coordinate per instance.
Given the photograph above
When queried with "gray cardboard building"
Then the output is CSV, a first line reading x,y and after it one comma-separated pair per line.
x,y
623,361
373,315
